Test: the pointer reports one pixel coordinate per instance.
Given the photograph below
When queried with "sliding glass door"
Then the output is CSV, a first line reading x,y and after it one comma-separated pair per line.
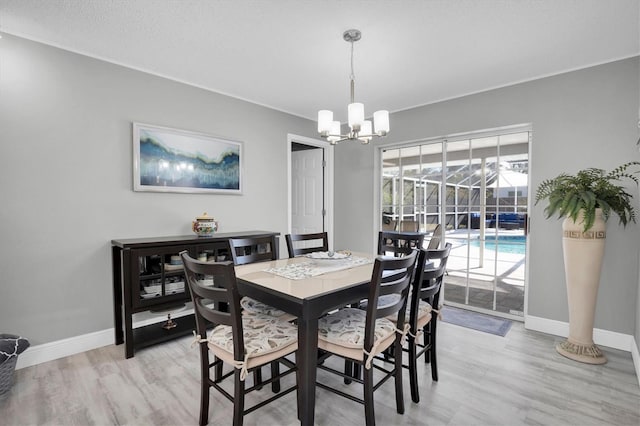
x,y
476,187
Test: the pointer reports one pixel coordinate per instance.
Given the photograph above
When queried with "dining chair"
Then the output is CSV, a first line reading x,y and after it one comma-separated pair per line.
x,y
390,243
246,342
425,294
360,336
254,249
301,244
251,250
423,303
397,244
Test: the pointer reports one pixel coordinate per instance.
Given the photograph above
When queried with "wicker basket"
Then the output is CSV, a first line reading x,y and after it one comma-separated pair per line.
x,y
6,375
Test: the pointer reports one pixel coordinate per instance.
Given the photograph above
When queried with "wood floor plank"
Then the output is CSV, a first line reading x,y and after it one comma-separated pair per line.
x,y
518,379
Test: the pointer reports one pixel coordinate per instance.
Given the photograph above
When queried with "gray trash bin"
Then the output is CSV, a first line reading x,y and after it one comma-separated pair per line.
x,y
10,347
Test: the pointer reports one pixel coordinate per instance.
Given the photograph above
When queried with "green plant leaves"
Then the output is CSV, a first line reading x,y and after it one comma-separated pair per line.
x,y
588,190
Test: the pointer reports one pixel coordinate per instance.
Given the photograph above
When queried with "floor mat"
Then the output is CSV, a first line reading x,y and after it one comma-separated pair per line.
x,y
476,321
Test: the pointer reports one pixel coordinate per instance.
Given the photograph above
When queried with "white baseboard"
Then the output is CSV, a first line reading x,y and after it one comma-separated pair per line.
x,y
86,342
611,339
65,347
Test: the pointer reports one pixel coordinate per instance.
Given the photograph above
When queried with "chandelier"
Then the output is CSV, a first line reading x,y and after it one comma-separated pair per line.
x,y
359,128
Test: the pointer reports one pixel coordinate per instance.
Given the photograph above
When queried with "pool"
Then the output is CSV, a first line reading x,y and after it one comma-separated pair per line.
x,y
515,244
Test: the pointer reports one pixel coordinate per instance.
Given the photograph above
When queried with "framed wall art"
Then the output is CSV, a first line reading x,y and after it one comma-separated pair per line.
x,y
172,160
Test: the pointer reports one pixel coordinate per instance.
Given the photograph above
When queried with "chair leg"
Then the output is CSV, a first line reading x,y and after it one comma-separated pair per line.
x,y
413,369
218,369
257,377
387,355
426,336
432,353
348,371
275,371
204,400
298,381
356,371
398,377
205,375
369,412
238,399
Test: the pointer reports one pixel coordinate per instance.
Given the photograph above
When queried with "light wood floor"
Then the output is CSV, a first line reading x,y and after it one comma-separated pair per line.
x,y
484,380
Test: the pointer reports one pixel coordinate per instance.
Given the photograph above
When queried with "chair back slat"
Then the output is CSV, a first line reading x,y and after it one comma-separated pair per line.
x,y
251,250
428,282
398,272
398,244
301,244
215,297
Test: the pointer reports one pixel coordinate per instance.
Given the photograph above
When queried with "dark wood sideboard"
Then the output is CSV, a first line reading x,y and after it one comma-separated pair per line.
x,y
146,278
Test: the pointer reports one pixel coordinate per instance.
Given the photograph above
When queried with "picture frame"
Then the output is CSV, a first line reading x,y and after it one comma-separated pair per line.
x,y
174,160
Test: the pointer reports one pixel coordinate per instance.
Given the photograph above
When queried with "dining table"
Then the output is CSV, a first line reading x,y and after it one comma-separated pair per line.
x,y
307,288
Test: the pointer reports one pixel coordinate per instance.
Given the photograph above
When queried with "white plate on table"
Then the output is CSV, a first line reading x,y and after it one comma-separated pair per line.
x,y
329,256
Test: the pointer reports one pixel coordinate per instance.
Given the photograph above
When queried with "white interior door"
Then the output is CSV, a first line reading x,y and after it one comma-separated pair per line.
x,y
307,191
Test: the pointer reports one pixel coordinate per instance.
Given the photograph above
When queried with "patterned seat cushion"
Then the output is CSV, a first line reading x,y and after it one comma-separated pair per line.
x,y
262,334
346,328
424,309
256,307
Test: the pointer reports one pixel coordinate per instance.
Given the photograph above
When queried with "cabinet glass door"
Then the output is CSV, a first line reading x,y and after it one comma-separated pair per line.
x,y
161,276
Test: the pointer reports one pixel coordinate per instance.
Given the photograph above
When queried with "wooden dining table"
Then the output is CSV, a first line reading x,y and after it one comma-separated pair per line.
x,y
308,298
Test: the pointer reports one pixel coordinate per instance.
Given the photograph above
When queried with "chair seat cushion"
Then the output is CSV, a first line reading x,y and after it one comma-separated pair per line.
x,y
263,334
424,309
256,307
346,328
424,312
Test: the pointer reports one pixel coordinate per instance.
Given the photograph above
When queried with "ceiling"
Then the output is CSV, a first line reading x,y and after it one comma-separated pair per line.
x,y
290,55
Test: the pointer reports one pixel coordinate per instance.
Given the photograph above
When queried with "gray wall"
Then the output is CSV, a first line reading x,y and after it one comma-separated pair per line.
x,y
586,118
65,133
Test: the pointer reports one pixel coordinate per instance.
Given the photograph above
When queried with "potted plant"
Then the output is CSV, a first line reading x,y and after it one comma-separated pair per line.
x,y
585,201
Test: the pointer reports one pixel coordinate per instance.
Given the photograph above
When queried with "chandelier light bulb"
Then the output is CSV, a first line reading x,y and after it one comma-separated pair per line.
x,y
356,116
334,132
381,122
325,117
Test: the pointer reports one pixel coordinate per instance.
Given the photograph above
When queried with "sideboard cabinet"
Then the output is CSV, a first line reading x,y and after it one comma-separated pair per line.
x,y
148,276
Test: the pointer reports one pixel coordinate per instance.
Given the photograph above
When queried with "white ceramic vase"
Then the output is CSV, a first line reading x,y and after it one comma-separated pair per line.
x,y
583,253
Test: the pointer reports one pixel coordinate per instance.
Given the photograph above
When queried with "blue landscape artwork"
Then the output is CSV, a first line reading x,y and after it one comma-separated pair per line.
x,y
178,161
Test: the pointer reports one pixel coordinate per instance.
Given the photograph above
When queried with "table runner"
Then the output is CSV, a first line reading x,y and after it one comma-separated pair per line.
x,y
298,271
